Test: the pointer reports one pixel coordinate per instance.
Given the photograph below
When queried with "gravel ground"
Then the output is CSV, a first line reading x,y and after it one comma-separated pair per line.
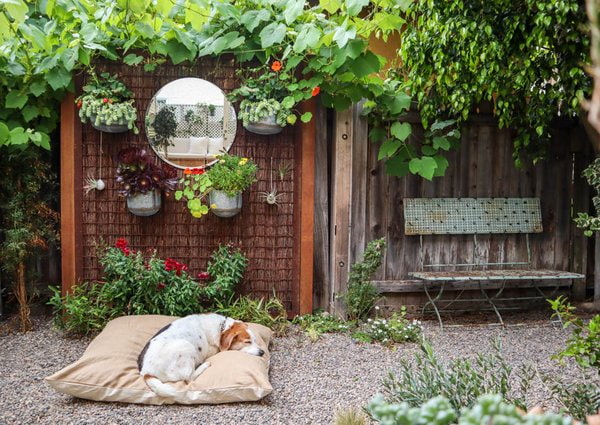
x,y
310,380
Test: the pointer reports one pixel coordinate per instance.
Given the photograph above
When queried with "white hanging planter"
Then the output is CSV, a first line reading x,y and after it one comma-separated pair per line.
x,y
223,205
144,204
266,126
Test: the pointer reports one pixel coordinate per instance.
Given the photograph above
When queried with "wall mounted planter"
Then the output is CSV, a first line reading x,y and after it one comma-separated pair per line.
x,y
226,206
266,126
144,204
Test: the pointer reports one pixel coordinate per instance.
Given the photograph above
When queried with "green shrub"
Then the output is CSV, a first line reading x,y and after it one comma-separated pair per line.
x,y
225,270
396,329
486,410
82,311
362,295
462,381
320,323
578,399
584,344
270,313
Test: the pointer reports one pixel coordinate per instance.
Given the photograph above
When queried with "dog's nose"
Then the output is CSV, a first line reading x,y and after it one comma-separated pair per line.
x,y
261,352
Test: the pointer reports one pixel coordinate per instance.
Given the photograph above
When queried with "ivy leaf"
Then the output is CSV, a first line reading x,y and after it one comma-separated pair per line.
x,y
58,78
441,143
30,112
231,40
4,132
425,167
309,36
132,59
306,117
253,18
272,34
292,9
177,51
440,125
18,136
400,102
17,9
330,6
15,100
342,35
388,148
401,130
442,165
355,6
69,57
365,64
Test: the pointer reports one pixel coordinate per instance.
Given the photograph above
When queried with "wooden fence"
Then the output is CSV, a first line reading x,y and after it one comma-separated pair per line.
x,y
365,203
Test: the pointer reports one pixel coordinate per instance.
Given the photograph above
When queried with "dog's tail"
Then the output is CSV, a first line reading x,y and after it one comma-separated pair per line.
x,y
159,387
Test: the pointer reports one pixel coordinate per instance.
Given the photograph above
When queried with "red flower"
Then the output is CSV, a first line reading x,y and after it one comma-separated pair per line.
x,y
198,171
105,100
122,244
176,266
203,276
276,66
187,171
126,251
79,103
160,286
316,91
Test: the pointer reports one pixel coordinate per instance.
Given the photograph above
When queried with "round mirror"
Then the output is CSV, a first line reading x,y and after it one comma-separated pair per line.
x,y
189,121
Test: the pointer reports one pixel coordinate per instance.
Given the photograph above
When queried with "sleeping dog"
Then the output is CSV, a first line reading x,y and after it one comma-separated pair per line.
x,y
178,351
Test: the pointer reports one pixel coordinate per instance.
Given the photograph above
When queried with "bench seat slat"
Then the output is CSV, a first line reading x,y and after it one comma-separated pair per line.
x,y
506,274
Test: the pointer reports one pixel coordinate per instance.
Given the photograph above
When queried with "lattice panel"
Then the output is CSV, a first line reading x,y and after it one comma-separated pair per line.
x,y
442,216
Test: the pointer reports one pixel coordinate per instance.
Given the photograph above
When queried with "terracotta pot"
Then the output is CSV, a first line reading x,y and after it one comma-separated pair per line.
x,y
226,206
144,204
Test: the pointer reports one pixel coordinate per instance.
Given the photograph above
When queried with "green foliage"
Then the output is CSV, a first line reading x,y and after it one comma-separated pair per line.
x,y
488,409
525,57
461,382
584,344
232,174
252,112
225,269
164,126
320,323
195,187
106,100
395,329
270,313
81,312
591,224
362,295
578,399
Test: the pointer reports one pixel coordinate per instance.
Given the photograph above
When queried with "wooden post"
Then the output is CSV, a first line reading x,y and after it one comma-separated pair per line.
x,y
348,192
70,189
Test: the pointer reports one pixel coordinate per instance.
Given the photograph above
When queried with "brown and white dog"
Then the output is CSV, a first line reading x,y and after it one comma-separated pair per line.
x,y
178,351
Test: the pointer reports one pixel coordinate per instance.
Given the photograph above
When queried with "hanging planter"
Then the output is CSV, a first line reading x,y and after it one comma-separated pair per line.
x,y
224,206
266,126
142,182
107,104
144,204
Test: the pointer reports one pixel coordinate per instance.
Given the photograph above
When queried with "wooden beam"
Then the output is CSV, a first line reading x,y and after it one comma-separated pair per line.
x,y
70,194
307,203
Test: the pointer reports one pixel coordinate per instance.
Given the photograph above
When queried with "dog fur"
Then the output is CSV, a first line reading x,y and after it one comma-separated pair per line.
x,y
178,351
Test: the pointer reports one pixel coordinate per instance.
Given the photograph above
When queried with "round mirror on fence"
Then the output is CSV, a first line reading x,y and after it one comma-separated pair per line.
x,y
189,121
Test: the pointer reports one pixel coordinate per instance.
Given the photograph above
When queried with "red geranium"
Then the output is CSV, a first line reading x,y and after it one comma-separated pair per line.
x,y
316,91
203,276
176,266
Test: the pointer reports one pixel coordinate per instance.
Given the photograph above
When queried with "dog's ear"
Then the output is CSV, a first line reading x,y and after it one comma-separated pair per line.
x,y
227,338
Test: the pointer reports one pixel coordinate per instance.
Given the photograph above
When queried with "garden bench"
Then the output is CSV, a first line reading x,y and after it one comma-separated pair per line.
x,y
479,216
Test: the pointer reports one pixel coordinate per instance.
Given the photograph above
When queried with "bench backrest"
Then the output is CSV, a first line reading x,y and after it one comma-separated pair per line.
x,y
444,216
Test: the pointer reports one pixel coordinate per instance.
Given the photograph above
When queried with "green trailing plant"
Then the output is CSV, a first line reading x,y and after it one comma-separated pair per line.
x,y
252,112
584,344
361,295
487,409
270,312
164,127
591,224
461,382
523,57
391,330
224,273
320,323
106,100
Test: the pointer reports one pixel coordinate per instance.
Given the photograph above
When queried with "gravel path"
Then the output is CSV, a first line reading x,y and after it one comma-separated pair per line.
x,y
310,380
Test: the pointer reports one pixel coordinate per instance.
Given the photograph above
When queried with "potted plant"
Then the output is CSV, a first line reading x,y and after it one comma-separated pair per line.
x,y
268,98
222,184
164,128
107,104
141,181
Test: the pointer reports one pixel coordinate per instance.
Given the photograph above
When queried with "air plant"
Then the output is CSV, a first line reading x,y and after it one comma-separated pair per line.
x,y
93,184
284,169
136,173
272,197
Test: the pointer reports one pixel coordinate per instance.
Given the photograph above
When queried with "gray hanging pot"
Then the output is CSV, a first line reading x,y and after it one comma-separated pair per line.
x,y
225,205
266,126
144,204
116,127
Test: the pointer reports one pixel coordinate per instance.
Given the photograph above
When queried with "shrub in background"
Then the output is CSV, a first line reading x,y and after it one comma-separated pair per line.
x,y
270,313
225,272
320,323
362,295
395,329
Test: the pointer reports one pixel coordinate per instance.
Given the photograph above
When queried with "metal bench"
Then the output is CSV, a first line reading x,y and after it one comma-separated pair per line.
x,y
479,216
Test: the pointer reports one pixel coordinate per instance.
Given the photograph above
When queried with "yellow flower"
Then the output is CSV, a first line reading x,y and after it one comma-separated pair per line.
x,y
213,206
222,161
196,213
243,161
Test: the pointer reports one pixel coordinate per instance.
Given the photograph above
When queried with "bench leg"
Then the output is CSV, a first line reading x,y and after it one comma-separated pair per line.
x,y
432,302
490,300
549,296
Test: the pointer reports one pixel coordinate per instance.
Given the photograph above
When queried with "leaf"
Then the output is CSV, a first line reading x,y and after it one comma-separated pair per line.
x,y
133,59
30,112
69,58
253,18
231,40
306,117
18,136
331,6
401,130
272,34
4,132
16,8
292,10
397,167
58,78
388,148
308,37
440,125
425,167
177,51
342,35
355,6
15,100
441,143
442,165
365,64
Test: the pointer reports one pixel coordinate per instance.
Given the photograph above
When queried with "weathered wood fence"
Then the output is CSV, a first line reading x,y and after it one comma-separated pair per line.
x,y
357,202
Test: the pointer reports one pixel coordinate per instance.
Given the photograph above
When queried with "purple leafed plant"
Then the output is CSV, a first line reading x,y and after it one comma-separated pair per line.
x,y
137,173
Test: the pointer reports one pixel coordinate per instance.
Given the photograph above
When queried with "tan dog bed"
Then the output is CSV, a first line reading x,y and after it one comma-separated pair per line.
x,y
108,369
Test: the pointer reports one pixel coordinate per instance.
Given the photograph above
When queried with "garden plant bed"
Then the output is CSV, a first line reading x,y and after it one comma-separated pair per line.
x,y
310,380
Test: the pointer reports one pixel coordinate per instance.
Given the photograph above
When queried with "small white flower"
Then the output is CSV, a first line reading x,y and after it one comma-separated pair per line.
x,y
376,307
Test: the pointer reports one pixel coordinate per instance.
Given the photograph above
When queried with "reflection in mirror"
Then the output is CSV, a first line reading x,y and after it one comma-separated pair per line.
x,y
189,121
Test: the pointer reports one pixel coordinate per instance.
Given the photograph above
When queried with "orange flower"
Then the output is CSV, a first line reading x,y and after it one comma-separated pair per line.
x,y
316,91
276,66
187,171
